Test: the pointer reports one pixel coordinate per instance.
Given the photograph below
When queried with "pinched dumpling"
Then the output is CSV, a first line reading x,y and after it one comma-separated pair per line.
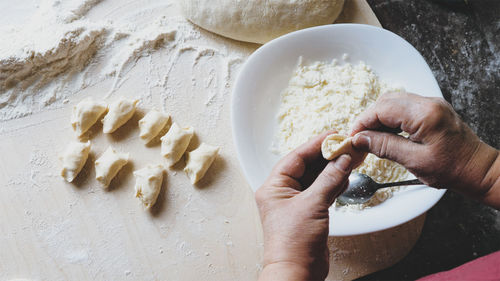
x,y
148,184
120,111
335,145
175,142
108,165
74,159
85,114
199,160
151,124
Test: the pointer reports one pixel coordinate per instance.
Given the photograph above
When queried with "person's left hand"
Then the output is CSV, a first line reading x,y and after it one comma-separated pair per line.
x,y
293,205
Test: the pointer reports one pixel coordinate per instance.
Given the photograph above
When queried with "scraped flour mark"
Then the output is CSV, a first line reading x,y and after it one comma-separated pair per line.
x,y
138,45
208,52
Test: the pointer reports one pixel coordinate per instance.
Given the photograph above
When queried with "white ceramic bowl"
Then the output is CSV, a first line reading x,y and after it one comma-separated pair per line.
x,y
266,73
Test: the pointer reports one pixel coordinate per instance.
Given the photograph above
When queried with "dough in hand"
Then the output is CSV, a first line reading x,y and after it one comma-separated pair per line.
x,y
335,145
199,160
148,184
108,165
74,159
151,125
259,21
120,112
85,114
175,142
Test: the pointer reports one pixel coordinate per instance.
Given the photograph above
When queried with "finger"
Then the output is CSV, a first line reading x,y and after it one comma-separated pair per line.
x,y
331,182
387,145
294,163
369,120
393,111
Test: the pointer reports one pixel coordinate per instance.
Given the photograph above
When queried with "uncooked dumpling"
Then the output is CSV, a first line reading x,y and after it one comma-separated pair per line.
x,y
151,125
175,142
259,21
108,165
120,111
335,145
74,159
85,114
148,184
199,160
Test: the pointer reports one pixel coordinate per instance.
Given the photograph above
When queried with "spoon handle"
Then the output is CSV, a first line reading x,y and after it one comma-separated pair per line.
x,y
409,182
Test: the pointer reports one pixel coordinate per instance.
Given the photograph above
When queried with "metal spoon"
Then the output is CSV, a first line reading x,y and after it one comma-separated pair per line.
x,y
362,188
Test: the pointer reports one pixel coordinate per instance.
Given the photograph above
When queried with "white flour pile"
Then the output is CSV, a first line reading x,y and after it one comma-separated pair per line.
x,y
61,49
54,41
329,96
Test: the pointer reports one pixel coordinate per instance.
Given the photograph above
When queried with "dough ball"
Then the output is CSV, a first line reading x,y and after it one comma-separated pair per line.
x,y
259,21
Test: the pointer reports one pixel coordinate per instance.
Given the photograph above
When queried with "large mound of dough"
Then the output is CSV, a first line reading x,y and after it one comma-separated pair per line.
x,y
260,20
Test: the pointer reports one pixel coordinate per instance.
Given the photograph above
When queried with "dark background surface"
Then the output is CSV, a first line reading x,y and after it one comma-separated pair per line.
x,y
460,40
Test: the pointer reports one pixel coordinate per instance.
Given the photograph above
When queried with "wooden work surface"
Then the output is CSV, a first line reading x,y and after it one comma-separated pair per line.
x,y
51,230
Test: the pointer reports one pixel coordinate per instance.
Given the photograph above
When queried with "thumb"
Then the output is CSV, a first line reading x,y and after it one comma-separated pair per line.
x,y
332,181
387,145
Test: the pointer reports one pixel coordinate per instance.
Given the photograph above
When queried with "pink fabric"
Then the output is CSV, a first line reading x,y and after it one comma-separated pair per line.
x,y
482,269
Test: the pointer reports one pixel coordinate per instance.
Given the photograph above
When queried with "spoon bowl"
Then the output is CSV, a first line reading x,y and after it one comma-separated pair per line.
x,y
362,188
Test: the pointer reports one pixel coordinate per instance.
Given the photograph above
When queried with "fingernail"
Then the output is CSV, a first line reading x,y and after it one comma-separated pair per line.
x,y
343,162
361,141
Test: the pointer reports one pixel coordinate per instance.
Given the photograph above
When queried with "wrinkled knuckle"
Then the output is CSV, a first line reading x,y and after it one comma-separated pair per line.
x,y
380,108
382,147
387,102
444,107
448,115
434,108
434,113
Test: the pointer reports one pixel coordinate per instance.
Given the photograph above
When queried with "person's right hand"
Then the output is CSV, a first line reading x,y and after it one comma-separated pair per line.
x,y
441,150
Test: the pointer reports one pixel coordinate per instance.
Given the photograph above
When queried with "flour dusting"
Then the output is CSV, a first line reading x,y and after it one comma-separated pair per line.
x,y
61,50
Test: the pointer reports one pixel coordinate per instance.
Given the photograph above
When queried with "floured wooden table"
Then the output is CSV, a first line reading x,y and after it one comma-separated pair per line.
x,y
52,230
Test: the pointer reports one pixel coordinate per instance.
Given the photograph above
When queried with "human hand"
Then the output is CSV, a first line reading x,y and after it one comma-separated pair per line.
x,y
442,151
293,205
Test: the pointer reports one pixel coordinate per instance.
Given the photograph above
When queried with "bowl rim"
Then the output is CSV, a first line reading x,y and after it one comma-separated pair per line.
x,y
235,132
